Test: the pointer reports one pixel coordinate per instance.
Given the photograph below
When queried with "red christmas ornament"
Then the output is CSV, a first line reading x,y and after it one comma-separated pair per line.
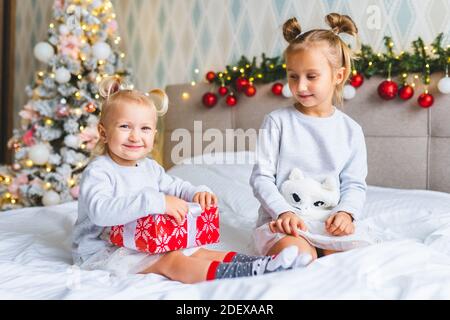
x,y
277,89
406,92
425,100
241,84
250,91
388,90
357,80
209,99
223,91
210,76
231,100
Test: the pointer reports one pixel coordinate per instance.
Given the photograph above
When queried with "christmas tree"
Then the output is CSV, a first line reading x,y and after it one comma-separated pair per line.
x,y
59,123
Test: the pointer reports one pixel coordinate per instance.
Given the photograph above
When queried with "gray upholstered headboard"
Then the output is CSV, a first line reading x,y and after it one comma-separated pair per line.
x,y
408,147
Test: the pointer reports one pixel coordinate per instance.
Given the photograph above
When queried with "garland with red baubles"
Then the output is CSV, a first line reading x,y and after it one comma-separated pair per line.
x,y
406,67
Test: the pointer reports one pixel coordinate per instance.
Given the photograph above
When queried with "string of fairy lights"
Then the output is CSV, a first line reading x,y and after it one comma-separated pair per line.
x,y
244,76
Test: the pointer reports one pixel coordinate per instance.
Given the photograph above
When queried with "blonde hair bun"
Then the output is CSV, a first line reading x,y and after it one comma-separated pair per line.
x,y
160,100
341,24
291,30
109,86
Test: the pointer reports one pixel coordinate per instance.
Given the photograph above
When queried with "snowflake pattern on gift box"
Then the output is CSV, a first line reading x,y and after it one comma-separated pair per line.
x,y
179,231
160,233
209,222
162,243
142,229
161,219
208,227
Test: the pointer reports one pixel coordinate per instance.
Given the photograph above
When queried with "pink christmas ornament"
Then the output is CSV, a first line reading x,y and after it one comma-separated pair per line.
x,y
62,111
112,27
59,4
20,180
90,137
69,45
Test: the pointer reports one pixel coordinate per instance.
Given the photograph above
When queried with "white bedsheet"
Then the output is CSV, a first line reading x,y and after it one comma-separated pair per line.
x,y
35,259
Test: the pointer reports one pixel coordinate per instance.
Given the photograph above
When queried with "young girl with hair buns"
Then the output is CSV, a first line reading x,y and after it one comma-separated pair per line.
x,y
121,185
314,136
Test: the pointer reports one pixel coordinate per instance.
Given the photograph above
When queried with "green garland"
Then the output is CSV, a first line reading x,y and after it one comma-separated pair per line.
x,y
423,60
269,70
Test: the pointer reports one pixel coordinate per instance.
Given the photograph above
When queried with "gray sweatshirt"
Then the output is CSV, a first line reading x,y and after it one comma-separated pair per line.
x,y
320,147
111,194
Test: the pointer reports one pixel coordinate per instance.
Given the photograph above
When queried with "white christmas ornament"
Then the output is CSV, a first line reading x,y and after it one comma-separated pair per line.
x,y
349,92
51,198
286,91
62,75
39,154
444,85
96,3
64,30
101,50
43,51
72,141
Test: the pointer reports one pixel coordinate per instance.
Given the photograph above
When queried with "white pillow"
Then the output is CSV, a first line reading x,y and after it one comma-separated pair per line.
x,y
230,182
229,158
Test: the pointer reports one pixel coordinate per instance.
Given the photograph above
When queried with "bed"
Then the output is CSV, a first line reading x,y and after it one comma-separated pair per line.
x,y
409,157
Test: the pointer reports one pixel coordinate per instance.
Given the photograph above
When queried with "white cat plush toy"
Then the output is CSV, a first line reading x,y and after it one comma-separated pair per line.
x,y
311,199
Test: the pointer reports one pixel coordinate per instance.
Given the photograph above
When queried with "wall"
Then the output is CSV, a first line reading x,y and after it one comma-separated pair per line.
x,y
167,39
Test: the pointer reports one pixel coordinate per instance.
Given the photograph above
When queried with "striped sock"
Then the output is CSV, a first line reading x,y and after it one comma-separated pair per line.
x,y
287,259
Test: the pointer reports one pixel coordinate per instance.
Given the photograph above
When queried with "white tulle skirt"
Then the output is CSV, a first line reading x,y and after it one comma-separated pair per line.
x,y
119,261
122,261
318,237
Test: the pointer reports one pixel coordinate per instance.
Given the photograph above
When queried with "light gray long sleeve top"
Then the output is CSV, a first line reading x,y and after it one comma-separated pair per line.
x,y
111,194
320,147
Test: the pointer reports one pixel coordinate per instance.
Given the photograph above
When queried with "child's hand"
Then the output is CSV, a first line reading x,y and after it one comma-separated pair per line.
x,y
176,208
287,223
205,199
340,224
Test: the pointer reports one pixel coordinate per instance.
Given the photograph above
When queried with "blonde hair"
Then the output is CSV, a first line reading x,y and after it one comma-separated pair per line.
x,y
116,92
339,54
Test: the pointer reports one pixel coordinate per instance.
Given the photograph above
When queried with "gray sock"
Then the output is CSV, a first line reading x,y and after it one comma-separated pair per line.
x,y
240,257
284,261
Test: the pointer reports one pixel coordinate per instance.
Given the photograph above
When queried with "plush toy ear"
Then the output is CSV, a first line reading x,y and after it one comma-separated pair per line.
x,y
329,184
296,174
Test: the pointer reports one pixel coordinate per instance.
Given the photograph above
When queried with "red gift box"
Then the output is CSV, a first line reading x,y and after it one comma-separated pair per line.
x,y
160,233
